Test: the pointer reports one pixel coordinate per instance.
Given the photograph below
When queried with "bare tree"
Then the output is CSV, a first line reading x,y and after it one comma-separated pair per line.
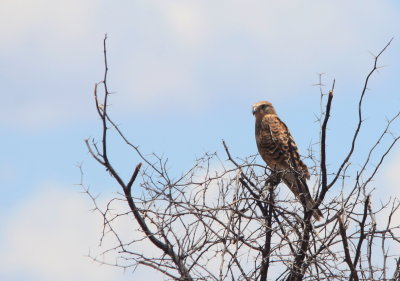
x,y
230,219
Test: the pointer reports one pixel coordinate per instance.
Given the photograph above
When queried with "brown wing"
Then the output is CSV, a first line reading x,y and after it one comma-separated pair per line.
x,y
279,151
277,147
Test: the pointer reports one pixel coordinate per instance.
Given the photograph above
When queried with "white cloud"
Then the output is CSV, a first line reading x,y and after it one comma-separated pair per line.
x,y
390,181
40,21
45,53
187,21
206,50
50,235
168,55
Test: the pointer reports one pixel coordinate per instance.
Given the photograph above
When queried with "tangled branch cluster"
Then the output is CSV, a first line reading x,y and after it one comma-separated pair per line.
x,y
231,220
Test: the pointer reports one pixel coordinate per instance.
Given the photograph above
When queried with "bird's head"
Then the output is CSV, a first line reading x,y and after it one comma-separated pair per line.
x,y
263,107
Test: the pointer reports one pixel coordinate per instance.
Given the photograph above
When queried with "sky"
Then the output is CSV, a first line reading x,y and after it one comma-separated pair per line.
x,y
184,76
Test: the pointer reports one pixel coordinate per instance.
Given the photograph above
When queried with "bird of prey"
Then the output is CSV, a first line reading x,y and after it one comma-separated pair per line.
x,y
278,149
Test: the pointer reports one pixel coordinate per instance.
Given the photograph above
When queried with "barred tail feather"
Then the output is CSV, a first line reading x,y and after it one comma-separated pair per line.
x,y
317,214
292,183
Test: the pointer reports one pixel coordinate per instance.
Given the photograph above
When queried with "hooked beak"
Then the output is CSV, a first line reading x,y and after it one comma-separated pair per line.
x,y
254,110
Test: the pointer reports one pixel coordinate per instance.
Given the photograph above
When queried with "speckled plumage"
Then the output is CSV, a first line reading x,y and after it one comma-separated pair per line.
x,y
278,149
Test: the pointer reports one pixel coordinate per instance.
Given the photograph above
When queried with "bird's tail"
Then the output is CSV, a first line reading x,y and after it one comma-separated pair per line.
x,y
317,214
299,188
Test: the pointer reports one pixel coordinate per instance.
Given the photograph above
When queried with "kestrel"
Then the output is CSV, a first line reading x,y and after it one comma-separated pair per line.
x,y
278,149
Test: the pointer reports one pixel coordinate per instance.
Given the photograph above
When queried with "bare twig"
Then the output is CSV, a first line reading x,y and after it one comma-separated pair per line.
x,y
346,250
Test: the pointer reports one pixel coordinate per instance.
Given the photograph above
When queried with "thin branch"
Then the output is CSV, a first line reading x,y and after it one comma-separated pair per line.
x,y
353,143
362,232
346,250
324,181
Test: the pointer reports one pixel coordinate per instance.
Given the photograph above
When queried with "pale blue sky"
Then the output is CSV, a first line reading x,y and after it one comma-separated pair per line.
x,y
185,74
